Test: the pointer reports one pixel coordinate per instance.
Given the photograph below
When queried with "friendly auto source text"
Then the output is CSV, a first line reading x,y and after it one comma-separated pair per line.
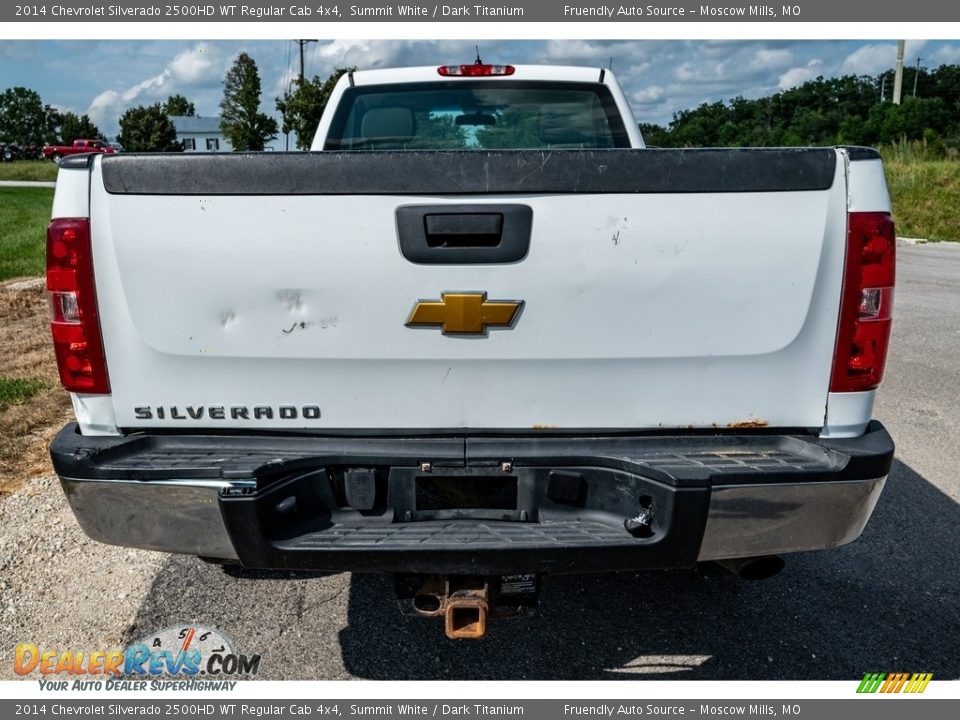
x,y
611,11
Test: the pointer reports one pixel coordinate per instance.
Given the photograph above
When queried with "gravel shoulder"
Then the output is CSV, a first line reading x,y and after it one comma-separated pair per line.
x,y
58,587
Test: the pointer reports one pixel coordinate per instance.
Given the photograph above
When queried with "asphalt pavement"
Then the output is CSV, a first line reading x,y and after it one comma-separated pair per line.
x,y
888,602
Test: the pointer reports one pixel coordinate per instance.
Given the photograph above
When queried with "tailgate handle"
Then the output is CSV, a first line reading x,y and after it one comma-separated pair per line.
x,y
463,230
464,234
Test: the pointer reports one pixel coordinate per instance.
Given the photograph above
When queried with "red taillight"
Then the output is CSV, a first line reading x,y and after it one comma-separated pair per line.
x,y
73,307
866,304
475,70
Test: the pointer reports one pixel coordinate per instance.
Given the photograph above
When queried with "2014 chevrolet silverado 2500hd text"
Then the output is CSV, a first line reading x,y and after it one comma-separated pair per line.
x,y
480,334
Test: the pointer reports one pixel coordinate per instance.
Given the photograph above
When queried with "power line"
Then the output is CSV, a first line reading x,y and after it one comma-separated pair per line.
x,y
302,44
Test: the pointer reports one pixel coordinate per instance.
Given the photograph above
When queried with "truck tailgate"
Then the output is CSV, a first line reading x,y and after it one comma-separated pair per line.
x,y
659,289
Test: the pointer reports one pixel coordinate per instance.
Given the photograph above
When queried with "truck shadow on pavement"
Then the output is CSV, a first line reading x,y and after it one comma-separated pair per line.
x,y
888,602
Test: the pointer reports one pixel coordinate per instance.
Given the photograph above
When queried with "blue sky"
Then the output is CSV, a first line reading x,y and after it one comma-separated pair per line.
x,y
103,78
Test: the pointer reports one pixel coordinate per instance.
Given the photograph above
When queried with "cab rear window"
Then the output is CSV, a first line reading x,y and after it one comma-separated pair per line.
x,y
480,115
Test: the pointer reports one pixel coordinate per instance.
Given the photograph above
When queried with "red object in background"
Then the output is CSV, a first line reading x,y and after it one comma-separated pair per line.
x,y
79,146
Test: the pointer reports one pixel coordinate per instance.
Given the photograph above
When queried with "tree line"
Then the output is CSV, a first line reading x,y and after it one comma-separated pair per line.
x,y
26,121
827,111
852,109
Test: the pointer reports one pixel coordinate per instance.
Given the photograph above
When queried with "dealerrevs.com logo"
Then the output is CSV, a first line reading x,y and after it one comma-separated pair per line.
x,y
188,653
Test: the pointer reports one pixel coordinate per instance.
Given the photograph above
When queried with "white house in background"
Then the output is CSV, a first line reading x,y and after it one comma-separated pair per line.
x,y
200,134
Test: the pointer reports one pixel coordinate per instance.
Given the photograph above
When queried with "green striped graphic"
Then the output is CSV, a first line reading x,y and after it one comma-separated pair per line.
x,y
871,682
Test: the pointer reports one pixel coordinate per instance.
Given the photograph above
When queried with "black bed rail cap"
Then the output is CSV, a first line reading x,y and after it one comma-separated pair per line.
x,y
860,152
472,172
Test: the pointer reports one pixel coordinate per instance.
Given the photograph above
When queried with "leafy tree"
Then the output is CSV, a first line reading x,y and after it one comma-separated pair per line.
x,y
890,123
853,131
147,128
809,127
946,84
698,127
437,132
25,120
178,106
240,118
925,82
302,107
826,111
77,128
655,135
514,128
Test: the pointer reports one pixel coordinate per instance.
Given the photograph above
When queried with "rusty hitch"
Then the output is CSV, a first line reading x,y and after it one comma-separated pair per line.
x,y
466,602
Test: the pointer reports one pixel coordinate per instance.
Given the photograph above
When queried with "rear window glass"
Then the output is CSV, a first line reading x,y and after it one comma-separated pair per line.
x,y
477,115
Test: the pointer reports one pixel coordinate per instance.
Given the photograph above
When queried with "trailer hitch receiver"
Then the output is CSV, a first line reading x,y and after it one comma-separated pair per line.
x,y
466,602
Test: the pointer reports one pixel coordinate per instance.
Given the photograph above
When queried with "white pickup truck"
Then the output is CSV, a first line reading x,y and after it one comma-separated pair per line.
x,y
478,335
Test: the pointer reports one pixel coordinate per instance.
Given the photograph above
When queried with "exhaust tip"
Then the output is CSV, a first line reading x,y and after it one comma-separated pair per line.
x,y
763,567
427,604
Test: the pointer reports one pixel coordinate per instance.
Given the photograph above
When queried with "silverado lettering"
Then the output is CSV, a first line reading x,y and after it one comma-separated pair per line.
x,y
222,412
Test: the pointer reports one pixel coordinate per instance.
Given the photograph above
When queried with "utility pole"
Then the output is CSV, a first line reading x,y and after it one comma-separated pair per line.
x,y
916,75
898,77
301,44
883,88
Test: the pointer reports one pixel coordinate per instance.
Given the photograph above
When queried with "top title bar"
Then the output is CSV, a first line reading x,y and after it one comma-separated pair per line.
x,y
520,11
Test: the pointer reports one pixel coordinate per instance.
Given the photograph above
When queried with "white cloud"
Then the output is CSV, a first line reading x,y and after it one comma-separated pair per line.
x,y
685,71
591,52
150,87
870,59
767,59
110,104
875,58
648,95
715,50
799,75
103,108
66,109
370,54
946,55
347,50
201,65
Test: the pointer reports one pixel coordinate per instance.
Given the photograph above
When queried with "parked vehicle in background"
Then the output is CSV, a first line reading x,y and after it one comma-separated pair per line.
x,y
55,152
11,151
479,335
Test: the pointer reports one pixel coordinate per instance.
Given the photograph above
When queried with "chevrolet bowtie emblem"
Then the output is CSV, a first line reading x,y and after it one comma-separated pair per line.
x,y
464,313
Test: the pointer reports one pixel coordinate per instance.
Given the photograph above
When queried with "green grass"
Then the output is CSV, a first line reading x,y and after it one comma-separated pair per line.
x,y
14,391
45,170
926,198
24,214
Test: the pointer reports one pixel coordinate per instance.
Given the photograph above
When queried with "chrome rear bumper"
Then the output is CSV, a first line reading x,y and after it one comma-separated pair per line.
x,y
182,516
176,516
753,520
281,502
